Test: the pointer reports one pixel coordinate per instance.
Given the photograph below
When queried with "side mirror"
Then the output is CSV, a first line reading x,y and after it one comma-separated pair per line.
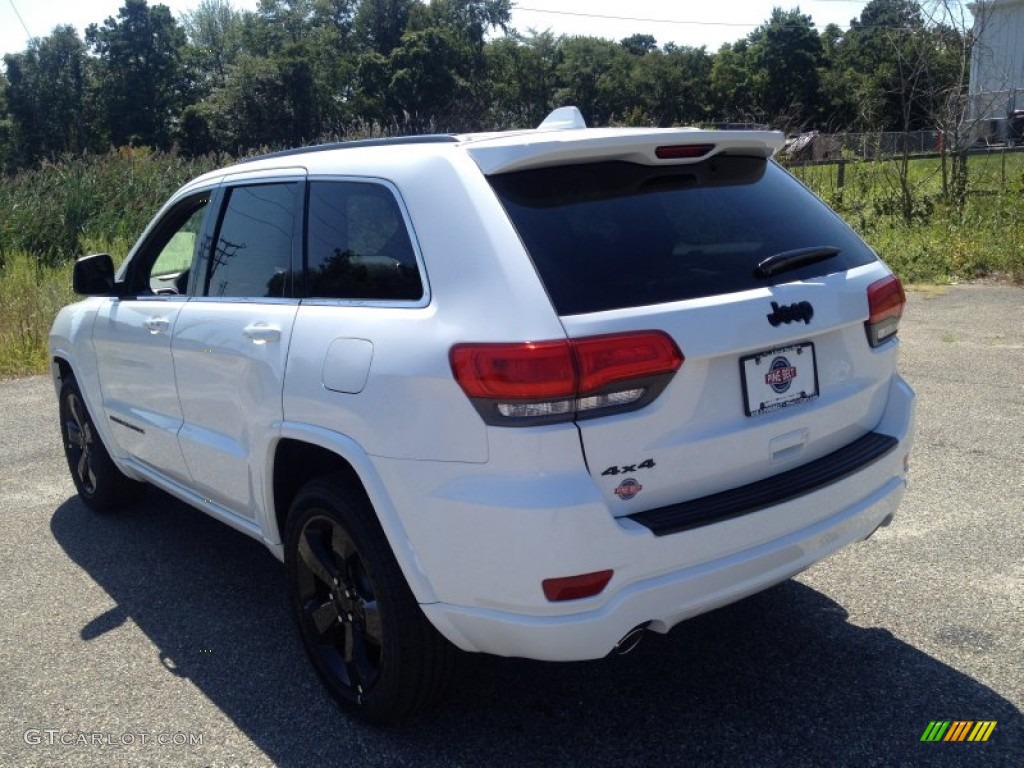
x,y
94,275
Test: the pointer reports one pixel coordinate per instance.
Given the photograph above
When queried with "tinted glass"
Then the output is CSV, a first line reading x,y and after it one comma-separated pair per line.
x,y
612,235
358,245
253,254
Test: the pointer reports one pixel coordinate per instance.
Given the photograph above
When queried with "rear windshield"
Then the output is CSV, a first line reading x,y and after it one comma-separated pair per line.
x,y
614,234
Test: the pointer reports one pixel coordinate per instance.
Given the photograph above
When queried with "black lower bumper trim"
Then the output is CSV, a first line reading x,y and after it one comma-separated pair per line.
x,y
768,492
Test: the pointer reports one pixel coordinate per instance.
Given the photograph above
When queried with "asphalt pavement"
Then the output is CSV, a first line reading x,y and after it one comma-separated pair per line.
x,y
159,637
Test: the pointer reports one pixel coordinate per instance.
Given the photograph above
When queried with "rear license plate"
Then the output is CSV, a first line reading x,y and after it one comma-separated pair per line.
x,y
779,378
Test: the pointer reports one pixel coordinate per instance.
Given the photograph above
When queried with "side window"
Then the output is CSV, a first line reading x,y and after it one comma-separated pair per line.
x,y
358,244
171,249
252,255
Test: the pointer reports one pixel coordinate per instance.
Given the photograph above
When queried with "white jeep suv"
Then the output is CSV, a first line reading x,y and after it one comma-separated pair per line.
x,y
526,393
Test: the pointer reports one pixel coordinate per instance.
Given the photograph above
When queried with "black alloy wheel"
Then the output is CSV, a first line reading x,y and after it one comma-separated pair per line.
x,y
340,616
100,484
78,442
369,641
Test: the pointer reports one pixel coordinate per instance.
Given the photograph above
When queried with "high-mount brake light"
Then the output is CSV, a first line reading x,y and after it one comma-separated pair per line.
x,y
886,301
528,383
683,151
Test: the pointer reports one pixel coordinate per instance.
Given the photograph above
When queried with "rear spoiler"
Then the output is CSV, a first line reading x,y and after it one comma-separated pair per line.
x,y
646,146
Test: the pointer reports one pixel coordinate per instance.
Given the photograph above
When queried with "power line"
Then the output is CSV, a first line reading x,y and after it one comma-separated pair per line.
x,y
15,9
683,22
635,18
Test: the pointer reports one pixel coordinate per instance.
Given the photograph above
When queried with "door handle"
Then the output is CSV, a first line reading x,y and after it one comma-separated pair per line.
x,y
156,324
261,333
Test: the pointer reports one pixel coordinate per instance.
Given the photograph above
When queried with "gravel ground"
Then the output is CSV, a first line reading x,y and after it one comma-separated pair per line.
x,y
122,636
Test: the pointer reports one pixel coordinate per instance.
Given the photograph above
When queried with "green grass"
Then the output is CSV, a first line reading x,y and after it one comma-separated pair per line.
x,y
30,295
940,243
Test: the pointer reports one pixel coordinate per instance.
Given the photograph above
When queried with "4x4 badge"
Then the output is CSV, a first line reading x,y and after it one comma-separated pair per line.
x,y
788,314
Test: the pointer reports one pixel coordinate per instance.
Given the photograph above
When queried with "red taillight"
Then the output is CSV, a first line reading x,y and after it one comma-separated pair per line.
x,y
539,382
683,151
604,360
529,371
886,300
576,587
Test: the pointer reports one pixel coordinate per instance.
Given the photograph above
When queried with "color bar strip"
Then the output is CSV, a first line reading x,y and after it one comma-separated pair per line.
x,y
959,730
982,730
935,730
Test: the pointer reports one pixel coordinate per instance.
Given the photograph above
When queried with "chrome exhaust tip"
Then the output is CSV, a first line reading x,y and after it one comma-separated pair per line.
x,y
630,640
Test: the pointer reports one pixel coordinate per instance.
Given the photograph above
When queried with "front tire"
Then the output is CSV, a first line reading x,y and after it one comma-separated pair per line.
x,y
100,484
367,638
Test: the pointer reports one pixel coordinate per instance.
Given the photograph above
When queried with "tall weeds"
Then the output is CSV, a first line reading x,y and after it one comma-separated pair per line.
x,y
30,295
926,238
54,210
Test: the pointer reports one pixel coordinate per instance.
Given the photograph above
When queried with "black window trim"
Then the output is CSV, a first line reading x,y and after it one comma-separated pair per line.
x,y
419,303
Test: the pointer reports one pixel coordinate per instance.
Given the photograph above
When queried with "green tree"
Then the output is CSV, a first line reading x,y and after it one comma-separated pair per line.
x,y
435,77
595,76
672,87
427,90
46,87
956,34
522,76
248,112
694,95
288,76
215,34
286,20
469,19
907,71
732,91
380,24
837,106
638,44
880,57
140,80
784,56
6,131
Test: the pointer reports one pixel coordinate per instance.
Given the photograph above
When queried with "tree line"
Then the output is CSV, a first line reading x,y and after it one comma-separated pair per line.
x,y
297,71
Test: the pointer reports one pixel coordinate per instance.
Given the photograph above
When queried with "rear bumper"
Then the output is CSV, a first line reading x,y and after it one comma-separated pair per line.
x,y
664,600
486,561
770,492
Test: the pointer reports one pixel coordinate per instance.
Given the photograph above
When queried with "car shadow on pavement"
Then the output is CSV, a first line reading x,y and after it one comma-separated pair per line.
x,y
781,678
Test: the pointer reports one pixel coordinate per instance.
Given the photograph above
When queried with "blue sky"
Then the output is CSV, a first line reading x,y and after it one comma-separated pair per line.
x,y
685,23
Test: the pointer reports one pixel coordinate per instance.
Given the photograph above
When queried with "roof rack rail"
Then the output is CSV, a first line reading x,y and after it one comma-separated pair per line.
x,y
430,138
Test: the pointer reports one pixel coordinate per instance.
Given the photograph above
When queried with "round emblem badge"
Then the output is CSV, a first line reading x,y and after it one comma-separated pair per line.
x,y
628,488
780,375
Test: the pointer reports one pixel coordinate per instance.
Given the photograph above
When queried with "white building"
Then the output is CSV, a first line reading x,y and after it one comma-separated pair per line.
x,y
997,63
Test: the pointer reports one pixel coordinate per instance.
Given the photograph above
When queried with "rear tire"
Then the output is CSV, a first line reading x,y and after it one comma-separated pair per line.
x,y
368,640
100,484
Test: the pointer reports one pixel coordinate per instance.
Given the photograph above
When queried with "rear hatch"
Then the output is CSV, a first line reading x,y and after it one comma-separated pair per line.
x,y
762,288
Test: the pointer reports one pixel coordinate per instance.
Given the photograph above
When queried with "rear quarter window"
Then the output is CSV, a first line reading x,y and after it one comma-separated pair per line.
x,y
358,247
614,234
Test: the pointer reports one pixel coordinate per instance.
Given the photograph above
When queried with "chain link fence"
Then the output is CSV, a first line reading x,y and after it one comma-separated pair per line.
x,y
832,147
